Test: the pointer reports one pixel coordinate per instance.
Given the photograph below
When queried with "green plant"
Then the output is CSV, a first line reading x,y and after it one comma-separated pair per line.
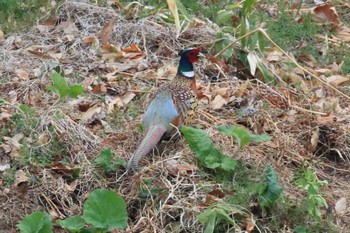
x,y
306,179
15,15
61,87
36,222
243,136
269,189
206,153
104,210
219,213
106,161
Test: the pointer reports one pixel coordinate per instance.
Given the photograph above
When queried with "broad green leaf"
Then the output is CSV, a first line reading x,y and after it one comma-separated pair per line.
x,y
206,152
73,224
243,136
224,16
61,88
105,209
183,10
37,222
269,189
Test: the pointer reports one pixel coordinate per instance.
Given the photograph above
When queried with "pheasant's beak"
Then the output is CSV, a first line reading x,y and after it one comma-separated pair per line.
x,y
200,56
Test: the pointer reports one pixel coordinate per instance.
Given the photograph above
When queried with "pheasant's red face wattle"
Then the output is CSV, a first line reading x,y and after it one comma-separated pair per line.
x,y
192,55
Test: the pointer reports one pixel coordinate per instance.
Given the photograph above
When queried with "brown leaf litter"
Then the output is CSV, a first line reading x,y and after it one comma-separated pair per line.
x,y
120,63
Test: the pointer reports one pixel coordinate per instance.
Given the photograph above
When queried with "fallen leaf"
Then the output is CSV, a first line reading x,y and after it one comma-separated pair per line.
x,y
344,33
133,48
88,115
217,193
250,224
274,56
314,140
337,80
40,54
220,63
20,177
113,56
253,61
218,102
340,205
127,97
22,74
14,141
43,138
106,32
327,12
4,167
90,39
99,88
176,169
72,186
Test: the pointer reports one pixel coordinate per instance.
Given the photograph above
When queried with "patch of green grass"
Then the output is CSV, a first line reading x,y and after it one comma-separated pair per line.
x,y
16,15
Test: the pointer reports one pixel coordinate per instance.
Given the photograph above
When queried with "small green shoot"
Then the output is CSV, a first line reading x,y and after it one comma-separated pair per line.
x,y
269,190
36,222
243,136
307,180
27,110
206,152
61,88
105,161
217,213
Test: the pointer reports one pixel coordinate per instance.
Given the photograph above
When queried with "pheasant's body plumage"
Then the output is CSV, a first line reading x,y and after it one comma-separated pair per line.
x,y
171,106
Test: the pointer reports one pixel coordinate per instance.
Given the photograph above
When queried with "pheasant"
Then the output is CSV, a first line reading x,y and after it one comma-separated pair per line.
x,y
171,106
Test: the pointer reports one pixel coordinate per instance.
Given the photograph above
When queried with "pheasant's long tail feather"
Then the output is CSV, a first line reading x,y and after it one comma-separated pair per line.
x,y
152,137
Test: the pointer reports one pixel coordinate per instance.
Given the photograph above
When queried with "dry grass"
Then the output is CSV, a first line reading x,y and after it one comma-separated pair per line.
x,y
175,207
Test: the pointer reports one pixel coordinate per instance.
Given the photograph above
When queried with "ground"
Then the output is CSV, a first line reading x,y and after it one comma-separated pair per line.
x,y
46,140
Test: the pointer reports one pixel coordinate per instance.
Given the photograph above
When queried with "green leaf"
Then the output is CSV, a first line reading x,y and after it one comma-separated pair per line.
x,y
61,88
268,76
105,209
224,16
183,10
261,41
206,153
214,214
37,222
105,160
243,136
27,110
73,224
220,45
248,7
269,189
300,229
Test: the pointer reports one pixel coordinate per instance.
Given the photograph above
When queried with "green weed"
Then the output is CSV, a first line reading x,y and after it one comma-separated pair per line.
x,y
103,211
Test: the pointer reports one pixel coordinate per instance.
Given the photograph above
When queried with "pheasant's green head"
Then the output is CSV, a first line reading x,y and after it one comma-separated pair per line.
x,y
188,57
